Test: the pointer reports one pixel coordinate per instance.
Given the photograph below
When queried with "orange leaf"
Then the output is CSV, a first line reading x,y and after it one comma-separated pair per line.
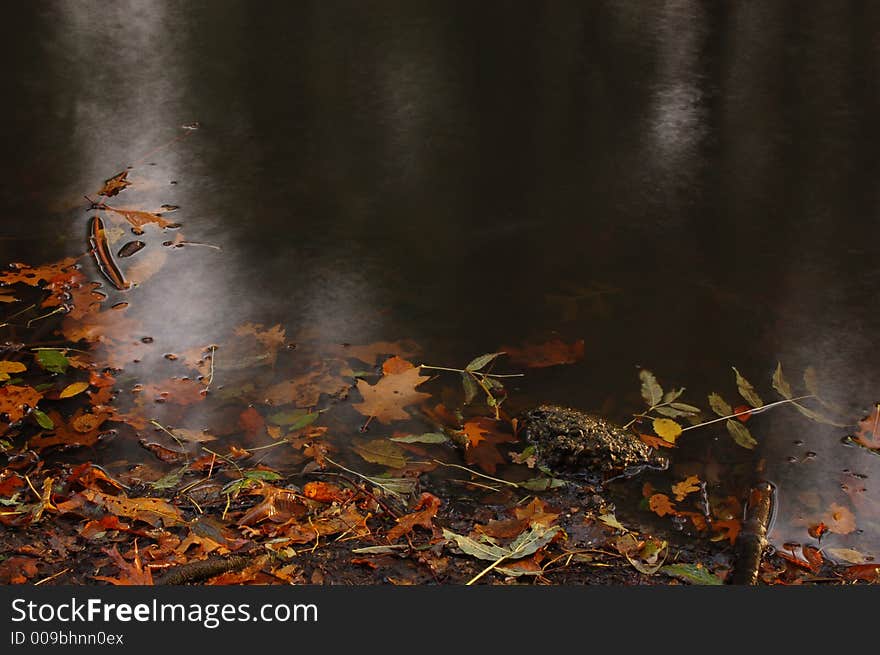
x,y
130,574
324,492
655,442
729,529
687,486
385,400
536,512
395,365
661,505
485,454
426,507
115,184
16,401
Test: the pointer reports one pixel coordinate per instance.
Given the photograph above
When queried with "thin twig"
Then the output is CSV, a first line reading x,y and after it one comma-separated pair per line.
x,y
753,410
472,472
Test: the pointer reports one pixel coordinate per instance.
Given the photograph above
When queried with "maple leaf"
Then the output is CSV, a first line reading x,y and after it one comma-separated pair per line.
x,y
536,512
551,353
426,509
385,400
115,184
687,486
661,505
130,574
475,433
83,430
486,454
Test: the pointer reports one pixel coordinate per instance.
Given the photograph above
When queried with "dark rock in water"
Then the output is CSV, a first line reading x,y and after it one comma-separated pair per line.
x,y
570,442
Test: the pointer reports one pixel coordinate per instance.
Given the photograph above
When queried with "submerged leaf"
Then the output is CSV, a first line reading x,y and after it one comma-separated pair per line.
x,y
719,405
693,573
428,437
471,388
382,452
780,383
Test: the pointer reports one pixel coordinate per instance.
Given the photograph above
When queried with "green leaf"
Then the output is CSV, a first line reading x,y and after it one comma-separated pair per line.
x,y
780,383
741,434
652,392
675,394
397,486
684,407
44,421
674,410
478,363
52,360
747,391
383,452
611,521
691,573
168,481
719,405
260,474
471,388
541,484
527,543
427,437
295,419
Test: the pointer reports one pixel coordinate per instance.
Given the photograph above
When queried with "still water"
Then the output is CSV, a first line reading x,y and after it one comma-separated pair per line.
x,y
684,186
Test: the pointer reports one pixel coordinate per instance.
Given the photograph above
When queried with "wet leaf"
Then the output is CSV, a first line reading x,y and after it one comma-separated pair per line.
x,y
865,572
385,401
483,436
524,545
15,401
115,184
541,484
52,361
719,405
295,419
689,485
324,492
278,506
154,511
425,511
667,429
10,367
335,520
646,556
693,573
747,391
73,389
661,505
611,521
427,437
482,361
306,390
741,434
382,452
470,386
17,570
169,480
130,574
781,384
652,392
655,442
43,420
138,218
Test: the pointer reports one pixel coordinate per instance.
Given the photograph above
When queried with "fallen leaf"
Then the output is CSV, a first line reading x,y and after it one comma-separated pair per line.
x,y
727,529
485,454
385,401
115,184
324,492
848,555
17,570
740,434
661,505
278,505
667,429
687,486
16,401
130,574
154,511
865,572
655,442
73,389
652,392
382,452
693,573
425,511
306,390
251,422
335,520
138,218
536,512
719,405
551,353
524,545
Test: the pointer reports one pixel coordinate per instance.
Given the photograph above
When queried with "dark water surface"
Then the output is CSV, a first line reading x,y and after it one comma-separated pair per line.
x,y
685,186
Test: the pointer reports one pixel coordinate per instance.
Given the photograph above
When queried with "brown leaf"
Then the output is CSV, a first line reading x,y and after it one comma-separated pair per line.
x,y
279,505
16,401
551,353
154,511
17,570
655,442
138,218
426,510
661,505
335,520
382,452
251,422
305,391
324,492
486,454
115,184
33,275
536,512
385,401
129,574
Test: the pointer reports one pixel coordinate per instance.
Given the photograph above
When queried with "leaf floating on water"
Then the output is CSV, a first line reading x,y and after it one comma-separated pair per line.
x,y
43,420
428,437
525,544
719,405
781,384
382,452
115,184
667,429
689,485
482,361
741,434
385,401
747,391
130,248
138,218
52,361
73,389
652,392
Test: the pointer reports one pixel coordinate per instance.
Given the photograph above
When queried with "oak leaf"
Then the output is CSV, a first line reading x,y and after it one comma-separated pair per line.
x,y
687,486
115,184
130,574
426,509
661,505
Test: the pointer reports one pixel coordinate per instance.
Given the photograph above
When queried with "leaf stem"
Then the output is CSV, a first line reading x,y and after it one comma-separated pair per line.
x,y
752,410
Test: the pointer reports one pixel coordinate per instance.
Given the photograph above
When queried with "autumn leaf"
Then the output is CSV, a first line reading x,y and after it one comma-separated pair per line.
x,y
727,529
138,218
278,505
551,353
334,520
115,184
16,401
17,570
154,511
394,365
661,505
741,434
382,452
251,422
306,390
747,391
130,574
489,434
652,392
73,389
687,486
271,338
385,400
667,429
655,442
324,492
425,510
10,367
693,573
536,512
33,275
475,432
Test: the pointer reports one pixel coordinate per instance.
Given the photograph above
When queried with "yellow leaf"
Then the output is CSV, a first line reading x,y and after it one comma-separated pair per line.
x,y
667,429
687,486
73,389
12,367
